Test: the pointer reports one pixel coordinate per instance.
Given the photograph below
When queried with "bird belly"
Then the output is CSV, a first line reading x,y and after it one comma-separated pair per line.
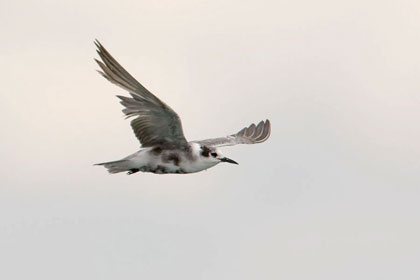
x,y
156,161
166,162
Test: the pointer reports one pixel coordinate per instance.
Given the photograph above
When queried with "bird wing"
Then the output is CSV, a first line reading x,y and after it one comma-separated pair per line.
x,y
156,122
252,134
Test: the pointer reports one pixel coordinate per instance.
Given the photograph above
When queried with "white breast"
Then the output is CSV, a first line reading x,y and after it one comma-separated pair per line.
x,y
197,162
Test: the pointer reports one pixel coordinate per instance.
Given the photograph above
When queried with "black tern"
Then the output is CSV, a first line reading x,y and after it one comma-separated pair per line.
x,y
164,149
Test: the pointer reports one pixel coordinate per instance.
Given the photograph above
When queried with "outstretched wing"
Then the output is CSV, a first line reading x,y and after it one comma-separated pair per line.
x,y
156,122
252,134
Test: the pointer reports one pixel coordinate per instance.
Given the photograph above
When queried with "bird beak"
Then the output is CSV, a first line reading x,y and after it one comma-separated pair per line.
x,y
225,159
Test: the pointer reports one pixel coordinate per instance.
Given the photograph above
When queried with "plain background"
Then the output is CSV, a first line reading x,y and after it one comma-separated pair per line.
x,y
333,194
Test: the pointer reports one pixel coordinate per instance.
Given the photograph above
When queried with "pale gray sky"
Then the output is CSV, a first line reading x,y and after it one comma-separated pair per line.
x,y
333,194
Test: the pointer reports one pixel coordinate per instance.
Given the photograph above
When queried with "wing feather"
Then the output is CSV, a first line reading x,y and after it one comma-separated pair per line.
x,y
252,134
156,122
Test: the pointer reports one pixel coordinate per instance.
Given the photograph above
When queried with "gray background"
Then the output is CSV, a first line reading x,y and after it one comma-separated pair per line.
x,y
333,194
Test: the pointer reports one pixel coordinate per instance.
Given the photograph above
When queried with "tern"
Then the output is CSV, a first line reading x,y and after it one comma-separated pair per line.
x,y
164,149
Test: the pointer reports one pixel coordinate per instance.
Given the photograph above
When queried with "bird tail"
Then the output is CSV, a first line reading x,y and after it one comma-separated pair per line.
x,y
116,166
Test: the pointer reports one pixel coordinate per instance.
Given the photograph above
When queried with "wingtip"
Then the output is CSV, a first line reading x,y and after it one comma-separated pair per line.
x,y
101,73
265,131
268,123
97,43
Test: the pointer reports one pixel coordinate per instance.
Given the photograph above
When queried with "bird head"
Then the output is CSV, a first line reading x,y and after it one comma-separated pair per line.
x,y
213,154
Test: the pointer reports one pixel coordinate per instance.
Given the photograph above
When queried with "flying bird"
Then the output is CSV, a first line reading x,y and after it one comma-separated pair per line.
x,y
164,148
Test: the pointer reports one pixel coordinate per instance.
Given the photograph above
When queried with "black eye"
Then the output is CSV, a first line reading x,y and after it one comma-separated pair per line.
x,y
214,154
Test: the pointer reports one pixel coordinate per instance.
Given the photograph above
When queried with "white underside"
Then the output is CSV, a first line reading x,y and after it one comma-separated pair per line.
x,y
146,160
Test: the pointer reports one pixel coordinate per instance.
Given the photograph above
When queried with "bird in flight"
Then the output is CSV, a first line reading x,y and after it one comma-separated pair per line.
x,y
164,148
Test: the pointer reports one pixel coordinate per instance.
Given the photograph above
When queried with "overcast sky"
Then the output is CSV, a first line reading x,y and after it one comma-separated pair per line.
x,y
333,194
